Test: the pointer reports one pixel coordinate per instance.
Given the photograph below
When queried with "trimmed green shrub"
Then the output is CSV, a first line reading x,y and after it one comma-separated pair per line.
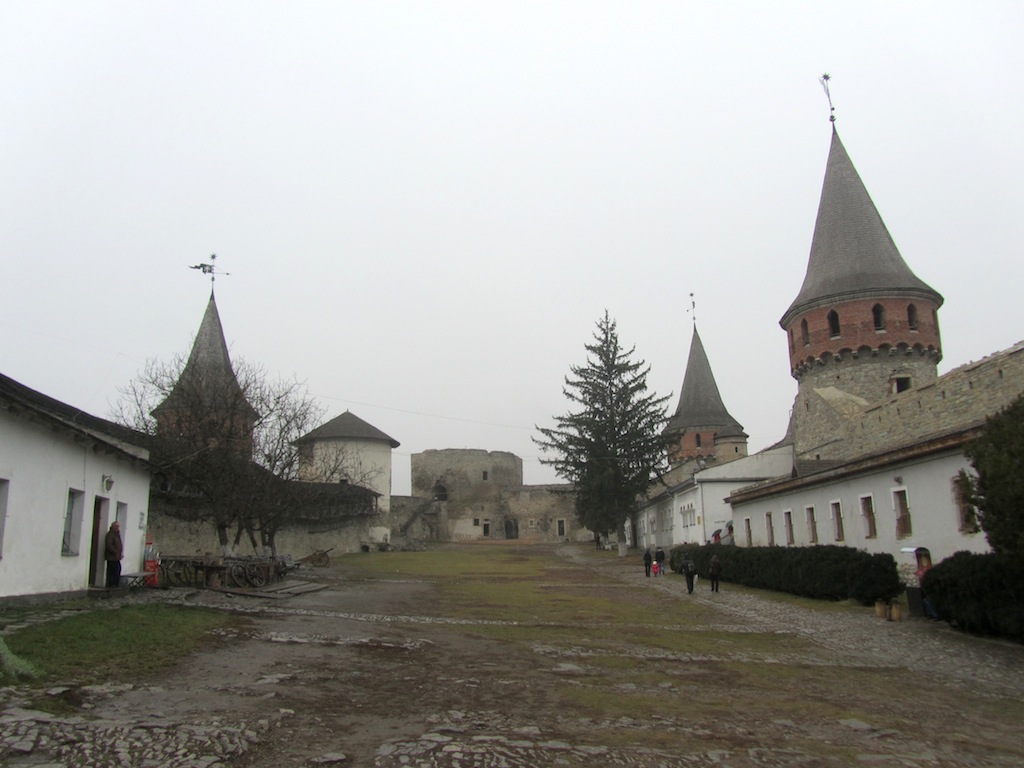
x,y
822,572
983,594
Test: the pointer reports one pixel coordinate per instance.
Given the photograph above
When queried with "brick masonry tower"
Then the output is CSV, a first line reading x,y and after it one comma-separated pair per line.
x,y
701,427
863,326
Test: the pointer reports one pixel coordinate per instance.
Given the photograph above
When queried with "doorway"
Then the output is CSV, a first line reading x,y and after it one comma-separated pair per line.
x,y
97,565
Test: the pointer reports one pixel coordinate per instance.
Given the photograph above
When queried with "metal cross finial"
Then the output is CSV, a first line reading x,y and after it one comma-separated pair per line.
x,y
210,269
824,84
693,310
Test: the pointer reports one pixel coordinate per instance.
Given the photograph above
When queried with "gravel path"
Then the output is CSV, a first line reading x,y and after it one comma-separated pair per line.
x,y
463,739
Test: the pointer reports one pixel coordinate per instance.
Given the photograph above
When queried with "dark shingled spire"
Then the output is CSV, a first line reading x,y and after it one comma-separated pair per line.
x,y
853,256
700,404
347,426
209,363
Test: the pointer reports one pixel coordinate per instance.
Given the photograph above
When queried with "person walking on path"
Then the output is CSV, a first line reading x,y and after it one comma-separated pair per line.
x,y
715,571
659,558
689,571
113,552
647,562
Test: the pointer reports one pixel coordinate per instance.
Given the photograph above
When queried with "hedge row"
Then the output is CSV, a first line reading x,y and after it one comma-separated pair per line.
x,y
983,594
822,572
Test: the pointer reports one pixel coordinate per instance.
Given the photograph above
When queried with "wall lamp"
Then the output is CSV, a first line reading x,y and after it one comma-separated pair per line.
x,y
108,482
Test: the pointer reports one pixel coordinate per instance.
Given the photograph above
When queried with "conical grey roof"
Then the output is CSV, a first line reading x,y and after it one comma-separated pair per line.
x,y
852,253
700,404
209,364
347,426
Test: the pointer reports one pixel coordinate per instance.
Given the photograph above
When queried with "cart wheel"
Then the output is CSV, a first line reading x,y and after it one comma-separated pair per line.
x,y
321,560
173,571
189,575
255,575
237,574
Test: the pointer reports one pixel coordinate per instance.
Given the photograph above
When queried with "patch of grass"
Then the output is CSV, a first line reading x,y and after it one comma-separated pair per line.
x,y
13,668
491,562
121,645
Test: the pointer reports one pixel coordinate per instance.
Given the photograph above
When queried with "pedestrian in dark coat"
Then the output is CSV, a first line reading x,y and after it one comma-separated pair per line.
x,y
689,571
647,562
715,571
113,552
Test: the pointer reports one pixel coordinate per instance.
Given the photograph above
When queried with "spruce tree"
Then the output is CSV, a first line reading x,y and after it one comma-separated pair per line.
x,y
609,446
998,490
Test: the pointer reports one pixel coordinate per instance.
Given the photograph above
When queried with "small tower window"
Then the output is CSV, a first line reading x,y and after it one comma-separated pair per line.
x,y
912,317
833,324
878,314
804,333
697,437
900,384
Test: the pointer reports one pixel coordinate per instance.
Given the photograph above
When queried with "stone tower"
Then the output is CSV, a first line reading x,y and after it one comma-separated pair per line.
x,y
863,326
207,405
701,427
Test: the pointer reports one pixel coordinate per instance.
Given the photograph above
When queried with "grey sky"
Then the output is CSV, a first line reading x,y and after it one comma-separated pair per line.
x,y
424,208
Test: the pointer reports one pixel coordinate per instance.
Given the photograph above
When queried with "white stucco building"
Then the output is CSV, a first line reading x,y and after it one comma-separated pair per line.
x,y
65,476
695,510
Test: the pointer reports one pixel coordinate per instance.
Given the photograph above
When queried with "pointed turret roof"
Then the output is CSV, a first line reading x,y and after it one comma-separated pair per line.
x,y
700,404
852,253
347,426
209,364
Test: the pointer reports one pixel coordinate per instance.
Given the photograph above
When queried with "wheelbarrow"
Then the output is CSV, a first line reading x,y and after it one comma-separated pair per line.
x,y
318,558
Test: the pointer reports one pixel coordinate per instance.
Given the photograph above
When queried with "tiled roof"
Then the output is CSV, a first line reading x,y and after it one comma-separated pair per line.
x,y
15,396
700,404
209,363
347,426
852,253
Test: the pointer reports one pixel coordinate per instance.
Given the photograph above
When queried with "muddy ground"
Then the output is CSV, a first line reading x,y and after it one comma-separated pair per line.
x,y
375,671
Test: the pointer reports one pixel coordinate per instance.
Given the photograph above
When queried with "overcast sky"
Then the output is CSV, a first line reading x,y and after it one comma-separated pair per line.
x,y
425,208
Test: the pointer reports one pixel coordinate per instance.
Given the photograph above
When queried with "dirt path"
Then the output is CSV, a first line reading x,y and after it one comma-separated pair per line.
x,y
377,672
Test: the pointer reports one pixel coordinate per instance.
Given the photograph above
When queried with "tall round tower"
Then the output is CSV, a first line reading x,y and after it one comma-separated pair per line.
x,y
863,326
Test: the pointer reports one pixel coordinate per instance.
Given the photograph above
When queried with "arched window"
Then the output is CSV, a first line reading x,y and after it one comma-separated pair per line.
x,y
697,437
833,324
878,314
912,317
792,346
804,333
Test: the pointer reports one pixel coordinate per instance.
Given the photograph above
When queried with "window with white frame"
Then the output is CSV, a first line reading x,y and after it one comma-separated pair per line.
x,y
967,513
73,523
812,526
769,529
747,530
837,520
787,522
901,507
867,511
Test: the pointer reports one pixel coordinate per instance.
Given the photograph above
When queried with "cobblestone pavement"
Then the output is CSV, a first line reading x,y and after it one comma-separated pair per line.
x,y
486,739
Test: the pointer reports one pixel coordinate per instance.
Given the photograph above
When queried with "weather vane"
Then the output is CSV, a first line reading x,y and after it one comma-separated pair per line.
x,y
824,84
693,310
210,269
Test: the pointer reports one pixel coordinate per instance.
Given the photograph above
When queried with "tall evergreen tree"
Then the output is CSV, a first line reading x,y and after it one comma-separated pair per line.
x,y
998,490
610,445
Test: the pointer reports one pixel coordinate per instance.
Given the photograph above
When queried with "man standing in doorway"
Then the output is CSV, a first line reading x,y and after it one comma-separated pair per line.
x,y
113,552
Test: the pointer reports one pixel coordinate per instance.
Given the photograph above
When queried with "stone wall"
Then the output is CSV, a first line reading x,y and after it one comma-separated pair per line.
x,y
468,475
833,427
172,536
545,514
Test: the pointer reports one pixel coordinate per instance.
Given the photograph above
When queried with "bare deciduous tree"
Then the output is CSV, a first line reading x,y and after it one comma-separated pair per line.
x,y
228,454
